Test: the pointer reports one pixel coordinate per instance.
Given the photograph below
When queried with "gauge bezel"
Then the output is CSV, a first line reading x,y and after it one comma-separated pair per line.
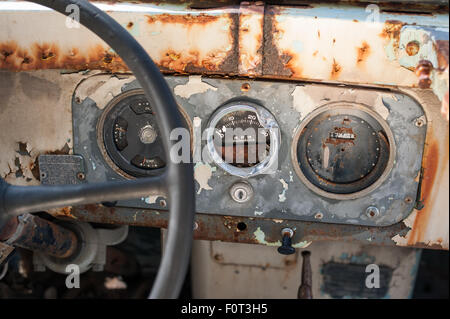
x,y
352,109
100,137
266,119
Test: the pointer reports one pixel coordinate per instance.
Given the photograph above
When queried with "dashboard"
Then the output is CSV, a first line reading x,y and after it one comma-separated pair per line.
x,y
265,149
330,135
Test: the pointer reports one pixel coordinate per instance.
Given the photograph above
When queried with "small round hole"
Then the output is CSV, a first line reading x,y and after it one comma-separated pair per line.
x,y
241,226
245,87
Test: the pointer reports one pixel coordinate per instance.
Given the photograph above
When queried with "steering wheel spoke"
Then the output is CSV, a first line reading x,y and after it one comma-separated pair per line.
x,y
177,182
28,199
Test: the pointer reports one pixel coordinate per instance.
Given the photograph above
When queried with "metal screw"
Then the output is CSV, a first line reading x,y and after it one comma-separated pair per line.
x,y
319,215
372,211
419,122
412,48
81,176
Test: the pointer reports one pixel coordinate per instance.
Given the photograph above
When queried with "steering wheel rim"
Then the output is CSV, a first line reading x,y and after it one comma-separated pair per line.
x,y
177,182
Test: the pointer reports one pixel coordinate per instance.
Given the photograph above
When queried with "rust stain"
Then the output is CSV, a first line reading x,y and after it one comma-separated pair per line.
x,y
430,166
275,63
412,48
335,70
188,19
442,49
391,31
63,212
250,62
362,52
50,56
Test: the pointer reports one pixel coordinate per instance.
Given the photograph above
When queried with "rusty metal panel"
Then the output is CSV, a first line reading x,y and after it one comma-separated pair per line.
x,y
261,231
340,43
178,39
251,23
429,225
320,42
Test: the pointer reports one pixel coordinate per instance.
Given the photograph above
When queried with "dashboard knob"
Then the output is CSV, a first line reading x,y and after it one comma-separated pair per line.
x,y
286,242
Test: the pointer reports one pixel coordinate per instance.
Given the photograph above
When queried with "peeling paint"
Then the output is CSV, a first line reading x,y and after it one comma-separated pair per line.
x,y
381,108
202,174
25,137
282,196
152,199
101,89
302,102
195,85
260,238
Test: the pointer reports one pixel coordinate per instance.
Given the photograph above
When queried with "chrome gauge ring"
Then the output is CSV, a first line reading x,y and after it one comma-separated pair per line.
x,y
243,138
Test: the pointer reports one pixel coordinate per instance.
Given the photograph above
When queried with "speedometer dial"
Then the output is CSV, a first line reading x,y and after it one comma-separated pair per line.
x,y
243,139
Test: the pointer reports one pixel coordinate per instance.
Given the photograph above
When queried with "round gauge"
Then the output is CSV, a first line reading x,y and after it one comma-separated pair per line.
x,y
129,136
343,151
243,139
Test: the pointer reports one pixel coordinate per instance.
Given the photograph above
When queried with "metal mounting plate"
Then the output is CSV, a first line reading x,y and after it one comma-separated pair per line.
x,y
280,195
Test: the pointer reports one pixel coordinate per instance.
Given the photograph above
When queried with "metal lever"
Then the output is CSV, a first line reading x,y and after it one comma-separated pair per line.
x,y
305,289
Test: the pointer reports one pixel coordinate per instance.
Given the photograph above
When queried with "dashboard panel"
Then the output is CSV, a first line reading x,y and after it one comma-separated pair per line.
x,y
329,153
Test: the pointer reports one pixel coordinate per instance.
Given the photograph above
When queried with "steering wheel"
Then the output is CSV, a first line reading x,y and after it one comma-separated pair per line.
x,y
177,182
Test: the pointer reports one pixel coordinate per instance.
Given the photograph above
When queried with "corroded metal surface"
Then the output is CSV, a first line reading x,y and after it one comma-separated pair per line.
x,y
373,59
256,230
428,225
37,234
339,44
308,42
177,39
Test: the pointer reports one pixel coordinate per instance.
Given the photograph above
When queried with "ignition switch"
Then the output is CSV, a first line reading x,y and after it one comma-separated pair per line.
x,y
241,192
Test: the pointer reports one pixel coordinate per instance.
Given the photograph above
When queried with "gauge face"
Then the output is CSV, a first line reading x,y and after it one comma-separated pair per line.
x,y
243,139
131,135
342,151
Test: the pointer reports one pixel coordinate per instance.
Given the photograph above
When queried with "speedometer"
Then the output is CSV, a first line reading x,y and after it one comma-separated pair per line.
x,y
243,138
